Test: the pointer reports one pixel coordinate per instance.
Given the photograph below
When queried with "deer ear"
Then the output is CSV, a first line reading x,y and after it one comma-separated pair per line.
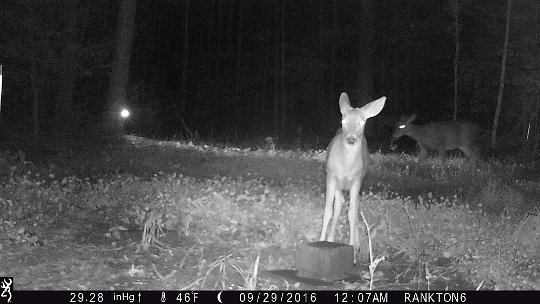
x,y
373,108
344,103
411,118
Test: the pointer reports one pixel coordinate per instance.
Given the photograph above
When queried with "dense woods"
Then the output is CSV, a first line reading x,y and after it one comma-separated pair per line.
x,y
245,69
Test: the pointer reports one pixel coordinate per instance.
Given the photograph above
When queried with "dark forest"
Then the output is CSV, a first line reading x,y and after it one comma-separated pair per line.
x,y
194,145
243,69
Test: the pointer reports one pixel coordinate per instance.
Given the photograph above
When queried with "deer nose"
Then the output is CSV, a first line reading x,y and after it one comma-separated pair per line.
x,y
351,140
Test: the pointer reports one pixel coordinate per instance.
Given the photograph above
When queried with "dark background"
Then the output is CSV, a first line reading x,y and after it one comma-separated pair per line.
x,y
236,85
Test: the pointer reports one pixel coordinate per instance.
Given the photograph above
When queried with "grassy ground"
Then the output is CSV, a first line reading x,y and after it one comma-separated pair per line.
x,y
173,215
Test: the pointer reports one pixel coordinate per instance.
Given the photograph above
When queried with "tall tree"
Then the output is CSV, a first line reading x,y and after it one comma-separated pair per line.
x,y
68,72
36,92
237,108
367,56
216,100
228,39
181,113
35,81
210,36
454,11
503,76
275,110
217,56
332,103
259,112
325,109
119,81
408,46
284,107
525,54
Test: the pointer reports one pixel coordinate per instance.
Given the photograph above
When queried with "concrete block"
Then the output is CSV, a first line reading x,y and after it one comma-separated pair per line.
x,y
325,261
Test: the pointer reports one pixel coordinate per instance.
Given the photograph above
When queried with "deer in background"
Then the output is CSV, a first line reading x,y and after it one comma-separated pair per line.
x,y
441,136
346,161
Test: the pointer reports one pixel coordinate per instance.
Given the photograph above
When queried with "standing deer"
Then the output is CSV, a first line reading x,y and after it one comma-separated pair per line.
x,y
441,136
346,161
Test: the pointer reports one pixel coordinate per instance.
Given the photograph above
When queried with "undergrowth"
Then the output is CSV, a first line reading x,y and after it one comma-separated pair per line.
x,y
486,235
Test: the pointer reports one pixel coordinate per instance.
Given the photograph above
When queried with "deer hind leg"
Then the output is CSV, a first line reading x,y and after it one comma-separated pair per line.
x,y
470,151
442,155
337,211
423,151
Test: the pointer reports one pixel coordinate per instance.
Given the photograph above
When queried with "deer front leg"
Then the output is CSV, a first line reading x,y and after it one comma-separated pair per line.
x,y
353,210
338,202
330,194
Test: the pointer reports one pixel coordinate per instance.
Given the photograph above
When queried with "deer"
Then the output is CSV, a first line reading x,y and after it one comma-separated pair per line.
x,y
441,136
346,161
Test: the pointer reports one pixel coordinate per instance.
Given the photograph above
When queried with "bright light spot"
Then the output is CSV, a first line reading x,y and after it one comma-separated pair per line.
x,y
124,113
343,121
402,127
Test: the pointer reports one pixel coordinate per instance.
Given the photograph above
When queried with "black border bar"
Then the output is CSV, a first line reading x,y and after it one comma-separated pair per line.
x,y
291,296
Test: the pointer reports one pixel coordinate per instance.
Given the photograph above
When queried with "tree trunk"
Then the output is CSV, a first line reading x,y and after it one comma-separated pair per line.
x,y
536,135
36,88
456,56
64,98
185,60
216,100
322,85
228,67
217,57
367,56
0,90
523,124
284,107
259,112
408,60
332,108
118,84
503,75
34,81
275,115
210,41
536,106
229,43
237,104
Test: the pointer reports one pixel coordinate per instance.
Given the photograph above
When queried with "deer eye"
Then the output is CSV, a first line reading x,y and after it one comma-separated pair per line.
x,y
401,126
343,121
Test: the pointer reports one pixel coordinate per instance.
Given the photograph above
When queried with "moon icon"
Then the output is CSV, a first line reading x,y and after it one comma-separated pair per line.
x,y
219,297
